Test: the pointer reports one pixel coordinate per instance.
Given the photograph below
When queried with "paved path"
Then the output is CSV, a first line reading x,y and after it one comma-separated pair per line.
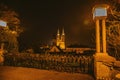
x,y
20,73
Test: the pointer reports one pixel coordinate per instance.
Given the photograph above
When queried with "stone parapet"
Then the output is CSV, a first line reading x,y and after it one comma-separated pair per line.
x,y
103,66
104,57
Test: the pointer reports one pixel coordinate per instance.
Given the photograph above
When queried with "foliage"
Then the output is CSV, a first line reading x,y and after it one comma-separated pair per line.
x,y
11,17
113,29
9,34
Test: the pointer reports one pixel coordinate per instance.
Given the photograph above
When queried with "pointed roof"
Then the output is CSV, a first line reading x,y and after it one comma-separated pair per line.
x,y
55,49
63,33
58,32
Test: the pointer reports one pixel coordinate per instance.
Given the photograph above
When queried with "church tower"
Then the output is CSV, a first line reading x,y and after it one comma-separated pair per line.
x,y
60,41
58,38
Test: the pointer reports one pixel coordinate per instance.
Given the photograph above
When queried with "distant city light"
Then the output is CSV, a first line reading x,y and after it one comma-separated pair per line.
x,y
3,23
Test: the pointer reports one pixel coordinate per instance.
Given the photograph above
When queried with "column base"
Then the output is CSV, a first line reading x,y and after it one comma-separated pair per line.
x,y
104,57
102,66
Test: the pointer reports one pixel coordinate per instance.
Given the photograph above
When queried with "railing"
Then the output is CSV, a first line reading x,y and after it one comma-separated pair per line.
x,y
57,62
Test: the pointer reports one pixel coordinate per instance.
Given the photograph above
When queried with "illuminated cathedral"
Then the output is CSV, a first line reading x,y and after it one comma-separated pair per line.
x,y
61,47
60,39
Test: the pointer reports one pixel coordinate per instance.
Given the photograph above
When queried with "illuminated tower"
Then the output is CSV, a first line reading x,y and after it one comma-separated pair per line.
x,y
62,45
58,38
61,39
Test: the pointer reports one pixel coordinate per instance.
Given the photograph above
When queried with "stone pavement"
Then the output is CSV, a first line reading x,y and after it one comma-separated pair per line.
x,y
20,73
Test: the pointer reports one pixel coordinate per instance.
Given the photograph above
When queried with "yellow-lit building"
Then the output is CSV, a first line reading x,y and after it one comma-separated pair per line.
x,y
60,40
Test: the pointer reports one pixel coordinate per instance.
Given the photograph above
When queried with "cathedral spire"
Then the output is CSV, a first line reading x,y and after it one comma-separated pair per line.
x,y
58,32
63,33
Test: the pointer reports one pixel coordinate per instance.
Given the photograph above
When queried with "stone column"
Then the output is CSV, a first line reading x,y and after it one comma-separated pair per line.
x,y
97,36
104,35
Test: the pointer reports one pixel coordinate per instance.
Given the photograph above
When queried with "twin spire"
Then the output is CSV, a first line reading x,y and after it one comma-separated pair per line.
x,y
60,40
58,32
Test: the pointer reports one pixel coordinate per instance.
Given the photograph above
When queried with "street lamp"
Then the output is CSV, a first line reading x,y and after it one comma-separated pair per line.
x,y
100,14
101,58
3,23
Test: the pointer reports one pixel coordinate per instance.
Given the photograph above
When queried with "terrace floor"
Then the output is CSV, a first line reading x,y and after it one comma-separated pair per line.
x,y
20,73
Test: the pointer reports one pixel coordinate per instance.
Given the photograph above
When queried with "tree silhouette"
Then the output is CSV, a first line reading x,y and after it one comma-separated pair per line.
x,y
113,28
9,34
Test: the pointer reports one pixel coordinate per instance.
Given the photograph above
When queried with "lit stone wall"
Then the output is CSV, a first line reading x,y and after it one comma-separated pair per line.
x,y
103,66
102,71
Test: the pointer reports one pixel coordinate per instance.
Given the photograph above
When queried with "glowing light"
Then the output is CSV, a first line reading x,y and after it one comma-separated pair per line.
x,y
100,12
117,76
86,22
14,32
3,23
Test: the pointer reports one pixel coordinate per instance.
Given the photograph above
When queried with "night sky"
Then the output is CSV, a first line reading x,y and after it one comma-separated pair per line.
x,y
42,18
